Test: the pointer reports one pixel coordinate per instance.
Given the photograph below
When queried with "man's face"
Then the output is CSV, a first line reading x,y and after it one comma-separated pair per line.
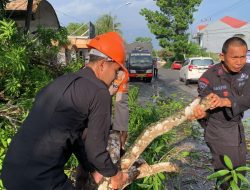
x,y
109,72
235,58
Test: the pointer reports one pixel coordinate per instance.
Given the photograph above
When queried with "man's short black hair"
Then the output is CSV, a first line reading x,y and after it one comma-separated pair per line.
x,y
233,41
94,58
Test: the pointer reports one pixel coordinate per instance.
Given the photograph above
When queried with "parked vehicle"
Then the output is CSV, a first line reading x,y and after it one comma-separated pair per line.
x,y
248,56
140,65
194,67
176,65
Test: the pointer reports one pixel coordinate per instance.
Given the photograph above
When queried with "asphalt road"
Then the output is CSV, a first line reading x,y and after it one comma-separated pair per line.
x,y
167,83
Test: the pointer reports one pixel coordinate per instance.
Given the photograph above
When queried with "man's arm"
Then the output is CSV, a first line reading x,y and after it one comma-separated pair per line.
x,y
241,103
98,132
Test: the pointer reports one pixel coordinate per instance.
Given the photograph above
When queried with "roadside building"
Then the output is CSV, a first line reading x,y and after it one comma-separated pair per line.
x,y
211,36
77,48
43,14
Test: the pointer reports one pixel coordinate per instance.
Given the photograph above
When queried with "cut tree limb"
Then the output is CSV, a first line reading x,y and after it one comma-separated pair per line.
x,y
146,137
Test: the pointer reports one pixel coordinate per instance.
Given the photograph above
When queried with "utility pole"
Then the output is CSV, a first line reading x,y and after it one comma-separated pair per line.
x,y
28,16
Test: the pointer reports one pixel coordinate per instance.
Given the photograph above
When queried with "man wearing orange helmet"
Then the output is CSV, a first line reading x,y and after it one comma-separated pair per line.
x,y
62,110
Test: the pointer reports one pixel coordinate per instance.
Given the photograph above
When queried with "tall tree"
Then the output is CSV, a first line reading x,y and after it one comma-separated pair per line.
x,y
2,8
171,22
107,23
77,29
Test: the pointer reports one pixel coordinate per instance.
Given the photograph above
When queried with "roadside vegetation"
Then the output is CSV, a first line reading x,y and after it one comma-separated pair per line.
x,y
25,67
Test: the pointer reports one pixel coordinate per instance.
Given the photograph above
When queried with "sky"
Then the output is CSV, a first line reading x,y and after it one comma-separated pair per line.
x,y
134,25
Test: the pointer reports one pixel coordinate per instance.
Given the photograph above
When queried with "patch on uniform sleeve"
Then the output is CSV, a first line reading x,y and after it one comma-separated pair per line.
x,y
205,80
202,83
225,93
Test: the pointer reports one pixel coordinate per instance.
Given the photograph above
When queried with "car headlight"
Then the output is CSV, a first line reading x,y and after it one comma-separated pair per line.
x,y
132,71
149,71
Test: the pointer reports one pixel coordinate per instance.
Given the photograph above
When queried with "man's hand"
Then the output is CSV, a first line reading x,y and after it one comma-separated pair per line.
x,y
123,138
198,113
215,101
97,176
119,180
117,82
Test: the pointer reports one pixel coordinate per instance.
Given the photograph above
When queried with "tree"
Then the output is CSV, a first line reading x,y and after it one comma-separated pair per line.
x,y
171,23
107,23
2,8
76,29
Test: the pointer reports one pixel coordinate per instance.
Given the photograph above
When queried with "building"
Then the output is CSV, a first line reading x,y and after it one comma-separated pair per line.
x,y
43,14
77,48
211,36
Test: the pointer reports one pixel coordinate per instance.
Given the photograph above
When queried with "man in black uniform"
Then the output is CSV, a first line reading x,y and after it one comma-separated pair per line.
x,y
62,110
227,85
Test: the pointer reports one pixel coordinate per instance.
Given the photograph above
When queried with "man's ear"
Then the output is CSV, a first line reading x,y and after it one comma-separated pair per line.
x,y
100,64
222,56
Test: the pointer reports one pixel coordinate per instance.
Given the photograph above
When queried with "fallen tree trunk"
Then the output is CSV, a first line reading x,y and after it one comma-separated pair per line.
x,y
146,137
131,163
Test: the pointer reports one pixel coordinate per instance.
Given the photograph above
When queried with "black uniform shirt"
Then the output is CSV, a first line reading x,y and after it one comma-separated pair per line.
x,y
52,132
223,125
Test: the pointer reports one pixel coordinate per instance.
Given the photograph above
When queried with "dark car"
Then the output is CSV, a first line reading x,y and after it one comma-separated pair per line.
x,y
176,65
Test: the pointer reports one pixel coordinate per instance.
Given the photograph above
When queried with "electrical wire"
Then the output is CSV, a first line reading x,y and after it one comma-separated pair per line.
x,y
236,5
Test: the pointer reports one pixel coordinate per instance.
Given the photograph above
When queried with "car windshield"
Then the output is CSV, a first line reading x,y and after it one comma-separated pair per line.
x,y
202,62
178,62
141,59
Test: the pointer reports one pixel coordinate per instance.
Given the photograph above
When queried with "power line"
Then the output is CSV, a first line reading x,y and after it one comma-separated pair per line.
x,y
68,15
228,8
236,5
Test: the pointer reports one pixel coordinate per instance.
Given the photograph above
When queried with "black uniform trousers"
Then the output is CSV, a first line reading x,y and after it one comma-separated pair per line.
x,y
237,154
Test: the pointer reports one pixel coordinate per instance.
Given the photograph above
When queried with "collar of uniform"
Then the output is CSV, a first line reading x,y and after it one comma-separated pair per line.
x,y
219,69
89,73
222,73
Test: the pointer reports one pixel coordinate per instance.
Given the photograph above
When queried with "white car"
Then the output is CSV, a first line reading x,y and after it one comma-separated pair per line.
x,y
194,67
248,56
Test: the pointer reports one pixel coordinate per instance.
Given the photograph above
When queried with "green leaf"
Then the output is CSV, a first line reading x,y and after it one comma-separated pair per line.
x,y
185,153
235,178
243,178
4,143
218,174
144,185
242,168
228,162
161,176
158,148
234,186
8,140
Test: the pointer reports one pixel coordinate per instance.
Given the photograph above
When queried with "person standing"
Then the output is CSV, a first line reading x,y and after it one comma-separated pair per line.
x,y
121,108
53,129
227,86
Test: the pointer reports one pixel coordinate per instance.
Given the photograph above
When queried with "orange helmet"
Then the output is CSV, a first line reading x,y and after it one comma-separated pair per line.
x,y
111,44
